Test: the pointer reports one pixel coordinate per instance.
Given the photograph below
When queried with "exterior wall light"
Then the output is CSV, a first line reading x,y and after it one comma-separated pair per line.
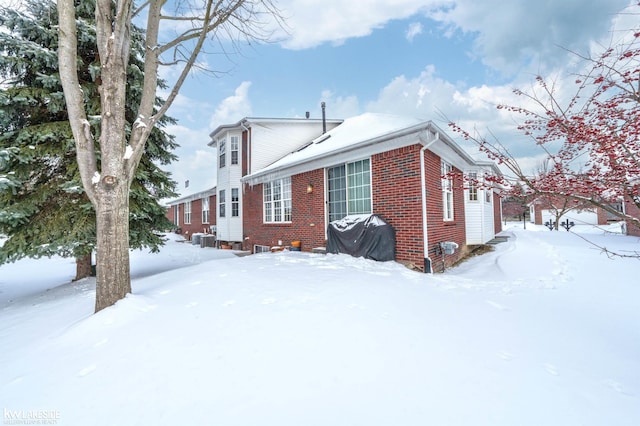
x,y
309,188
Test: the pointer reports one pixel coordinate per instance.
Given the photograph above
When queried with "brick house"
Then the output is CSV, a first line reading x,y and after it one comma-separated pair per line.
x,y
631,209
374,164
545,208
194,213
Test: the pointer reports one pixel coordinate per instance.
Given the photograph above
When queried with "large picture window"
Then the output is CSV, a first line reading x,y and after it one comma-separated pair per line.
x,y
447,191
277,201
349,189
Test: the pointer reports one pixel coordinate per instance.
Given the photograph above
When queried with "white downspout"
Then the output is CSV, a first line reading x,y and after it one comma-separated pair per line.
x,y
245,128
423,183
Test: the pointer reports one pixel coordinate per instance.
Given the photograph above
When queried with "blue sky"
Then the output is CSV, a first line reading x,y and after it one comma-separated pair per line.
x,y
421,58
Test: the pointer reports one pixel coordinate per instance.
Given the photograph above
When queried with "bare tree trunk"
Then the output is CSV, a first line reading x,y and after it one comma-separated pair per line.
x,y
107,181
112,253
83,267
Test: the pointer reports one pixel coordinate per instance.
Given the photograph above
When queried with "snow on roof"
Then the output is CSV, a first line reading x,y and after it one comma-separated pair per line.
x,y
192,196
353,131
248,121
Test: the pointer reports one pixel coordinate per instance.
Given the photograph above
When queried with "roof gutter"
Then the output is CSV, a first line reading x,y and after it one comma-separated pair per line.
x,y
423,182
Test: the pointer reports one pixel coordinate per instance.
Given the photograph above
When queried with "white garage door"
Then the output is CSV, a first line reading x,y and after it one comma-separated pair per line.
x,y
581,217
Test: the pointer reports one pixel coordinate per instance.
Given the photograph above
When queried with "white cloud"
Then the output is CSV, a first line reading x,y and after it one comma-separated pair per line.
x,y
311,23
415,29
340,106
198,167
429,97
234,107
509,34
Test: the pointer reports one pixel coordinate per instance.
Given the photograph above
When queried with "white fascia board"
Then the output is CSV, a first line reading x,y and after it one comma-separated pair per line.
x,y
247,122
194,196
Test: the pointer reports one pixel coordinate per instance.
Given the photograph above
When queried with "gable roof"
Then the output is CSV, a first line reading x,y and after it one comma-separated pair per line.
x,y
193,196
357,136
249,121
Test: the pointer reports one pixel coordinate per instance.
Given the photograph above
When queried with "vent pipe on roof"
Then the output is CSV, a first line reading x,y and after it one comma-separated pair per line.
x,y
324,119
306,114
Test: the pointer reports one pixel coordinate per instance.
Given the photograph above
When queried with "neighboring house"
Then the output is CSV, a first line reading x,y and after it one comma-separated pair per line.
x,y
409,172
632,210
246,146
194,213
551,209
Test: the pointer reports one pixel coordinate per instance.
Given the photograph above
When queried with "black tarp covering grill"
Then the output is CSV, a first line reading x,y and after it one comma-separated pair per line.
x,y
366,236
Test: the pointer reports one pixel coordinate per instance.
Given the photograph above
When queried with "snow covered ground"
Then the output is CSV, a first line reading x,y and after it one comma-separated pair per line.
x,y
545,330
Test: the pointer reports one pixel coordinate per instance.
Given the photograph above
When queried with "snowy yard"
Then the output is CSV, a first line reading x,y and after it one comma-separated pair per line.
x,y
545,330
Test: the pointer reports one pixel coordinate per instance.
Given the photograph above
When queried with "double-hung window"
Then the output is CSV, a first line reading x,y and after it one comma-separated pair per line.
x,y
447,190
205,210
235,202
277,201
187,212
349,189
473,186
222,152
222,203
234,149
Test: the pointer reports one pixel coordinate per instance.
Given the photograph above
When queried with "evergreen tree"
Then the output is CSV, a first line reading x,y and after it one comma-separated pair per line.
x,y
43,207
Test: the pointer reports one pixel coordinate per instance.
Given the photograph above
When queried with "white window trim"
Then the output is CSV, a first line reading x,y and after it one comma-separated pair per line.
x,y
187,212
234,147
235,204
222,208
222,153
473,188
269,205
447,192
205,211
346,177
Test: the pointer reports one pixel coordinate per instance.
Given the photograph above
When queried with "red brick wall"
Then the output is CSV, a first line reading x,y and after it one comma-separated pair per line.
x,y
196,224
497,216
632,210
396,198
602,216
439,230
307,222
169,214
